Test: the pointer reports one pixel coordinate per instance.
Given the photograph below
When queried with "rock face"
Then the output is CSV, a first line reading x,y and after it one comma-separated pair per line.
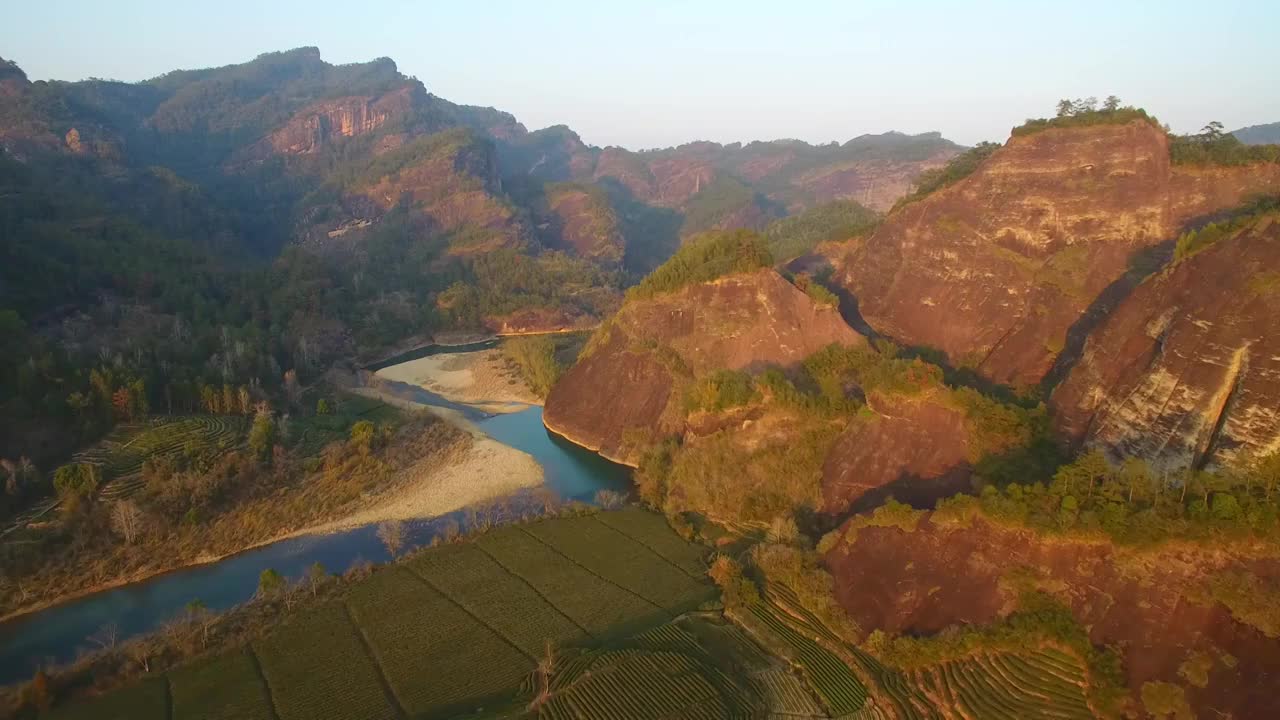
x,y
914,449
1186,371
874,170
315,127
583,222
625,383
1151,605
996,269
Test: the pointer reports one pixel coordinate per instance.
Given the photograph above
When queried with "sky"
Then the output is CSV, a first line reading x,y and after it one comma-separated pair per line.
x,y
658,73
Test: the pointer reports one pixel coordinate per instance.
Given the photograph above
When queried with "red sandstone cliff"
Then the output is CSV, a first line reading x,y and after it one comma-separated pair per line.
x,y
1154,605
996,269
1186,371
626,382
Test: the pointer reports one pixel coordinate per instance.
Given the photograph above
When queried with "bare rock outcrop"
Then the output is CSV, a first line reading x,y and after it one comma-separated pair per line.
x,y
997,269
1186,371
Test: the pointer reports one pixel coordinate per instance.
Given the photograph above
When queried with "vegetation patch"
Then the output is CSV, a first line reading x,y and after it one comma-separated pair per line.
x,y
797,235
705,258
957,168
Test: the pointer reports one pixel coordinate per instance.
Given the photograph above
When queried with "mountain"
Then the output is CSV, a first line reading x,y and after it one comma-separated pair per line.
x,y
1184,372
999,269
699,312
1268,134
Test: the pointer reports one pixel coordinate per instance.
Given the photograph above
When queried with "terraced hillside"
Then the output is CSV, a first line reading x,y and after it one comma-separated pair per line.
x,y
460,627
122,452
1038,683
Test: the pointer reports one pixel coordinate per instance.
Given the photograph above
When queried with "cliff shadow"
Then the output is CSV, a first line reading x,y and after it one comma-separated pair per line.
x,y
651,234
909,488
820,269
1142,264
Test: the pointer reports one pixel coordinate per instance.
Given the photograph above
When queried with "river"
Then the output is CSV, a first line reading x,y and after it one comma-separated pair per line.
x,y
60,632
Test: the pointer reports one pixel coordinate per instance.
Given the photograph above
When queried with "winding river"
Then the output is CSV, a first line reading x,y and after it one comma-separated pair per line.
x,y
60,632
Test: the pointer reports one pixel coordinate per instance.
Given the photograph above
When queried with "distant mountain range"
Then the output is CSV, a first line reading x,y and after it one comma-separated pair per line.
x,y
1268,134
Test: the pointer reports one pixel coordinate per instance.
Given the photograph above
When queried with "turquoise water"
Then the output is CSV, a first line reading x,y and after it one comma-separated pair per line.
x,y
61,632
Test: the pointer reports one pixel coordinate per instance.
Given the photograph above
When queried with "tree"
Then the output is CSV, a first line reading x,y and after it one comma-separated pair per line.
x,y
1212,131
106,636
322,407
202,618
1065,107
546,666
1111,104
127,520
362,435
270,582
391,533
262,436
76,480
316,575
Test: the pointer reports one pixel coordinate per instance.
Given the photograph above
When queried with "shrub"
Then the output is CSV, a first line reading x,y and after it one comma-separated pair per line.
x,y
721,390
705,258
956,169
798,234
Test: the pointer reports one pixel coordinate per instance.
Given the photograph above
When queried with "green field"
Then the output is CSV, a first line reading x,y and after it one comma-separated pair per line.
x,y
436,655
146,700
590,601
460,627
497,598
317,666
224,687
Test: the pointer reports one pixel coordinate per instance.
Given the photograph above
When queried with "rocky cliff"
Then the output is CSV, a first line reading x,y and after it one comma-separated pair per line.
x,y
915,449
1186,371
624,383
875,170
582,221
997,269
1157,606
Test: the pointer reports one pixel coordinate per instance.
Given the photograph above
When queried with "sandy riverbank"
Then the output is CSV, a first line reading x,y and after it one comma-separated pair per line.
x,y
481,378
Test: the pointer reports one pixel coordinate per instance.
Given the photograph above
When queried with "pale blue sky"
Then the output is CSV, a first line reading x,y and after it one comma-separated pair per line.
x,y
658,73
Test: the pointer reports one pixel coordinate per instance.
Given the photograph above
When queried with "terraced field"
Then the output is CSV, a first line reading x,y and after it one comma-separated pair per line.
x,y
460,627
663,673
309,434
1045,683
122,452
1041,684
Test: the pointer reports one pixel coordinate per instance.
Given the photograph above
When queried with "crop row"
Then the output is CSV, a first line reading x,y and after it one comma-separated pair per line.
x,y
461,626
223,687
317,667
1000,686
842,691
652,531
594,604
435,655
622,561
501,600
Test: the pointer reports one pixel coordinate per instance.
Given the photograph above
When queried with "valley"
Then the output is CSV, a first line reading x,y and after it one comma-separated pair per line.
x,y
323,396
